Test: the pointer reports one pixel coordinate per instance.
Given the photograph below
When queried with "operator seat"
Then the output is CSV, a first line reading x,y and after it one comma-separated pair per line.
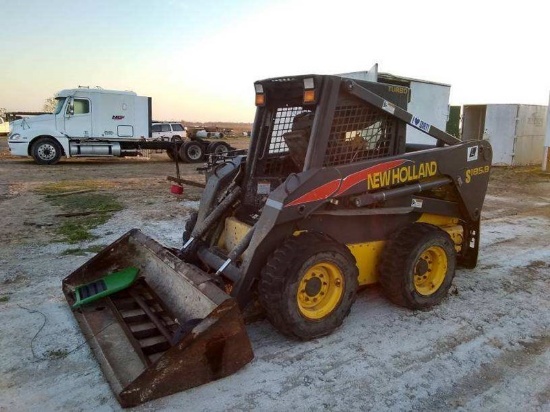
x,y
297,140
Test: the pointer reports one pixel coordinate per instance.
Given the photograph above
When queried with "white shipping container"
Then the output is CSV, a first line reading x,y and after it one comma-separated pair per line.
x,y
430,102
516,131
546,155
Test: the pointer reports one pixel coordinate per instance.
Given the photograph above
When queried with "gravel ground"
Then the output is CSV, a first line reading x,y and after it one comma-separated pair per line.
x,y
486,347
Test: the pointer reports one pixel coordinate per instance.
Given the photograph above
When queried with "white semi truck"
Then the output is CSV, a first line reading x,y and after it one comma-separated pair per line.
x,y
96,122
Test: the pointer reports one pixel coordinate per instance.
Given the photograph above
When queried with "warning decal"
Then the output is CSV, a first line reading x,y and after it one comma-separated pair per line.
x,y
472,153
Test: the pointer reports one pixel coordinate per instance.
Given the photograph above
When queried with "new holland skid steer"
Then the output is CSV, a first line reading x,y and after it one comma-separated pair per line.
x,y
329,198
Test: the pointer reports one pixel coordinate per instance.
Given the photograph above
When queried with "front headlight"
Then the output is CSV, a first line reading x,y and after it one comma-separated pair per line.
x,y
14,136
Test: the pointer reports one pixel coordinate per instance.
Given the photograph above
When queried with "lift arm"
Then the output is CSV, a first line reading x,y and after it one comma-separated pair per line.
x,y
372,98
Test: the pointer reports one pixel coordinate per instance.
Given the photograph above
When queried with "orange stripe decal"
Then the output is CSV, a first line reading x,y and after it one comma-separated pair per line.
x,y
321,193
339,186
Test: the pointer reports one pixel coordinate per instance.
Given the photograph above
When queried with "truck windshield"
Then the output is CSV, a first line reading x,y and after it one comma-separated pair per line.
x,y
59,106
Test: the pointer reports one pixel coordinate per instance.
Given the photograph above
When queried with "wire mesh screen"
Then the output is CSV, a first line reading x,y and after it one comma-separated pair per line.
x,y
281,125
359,132
274,166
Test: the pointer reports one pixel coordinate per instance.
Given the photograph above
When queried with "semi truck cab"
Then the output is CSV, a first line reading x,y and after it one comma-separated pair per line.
x,y
86,122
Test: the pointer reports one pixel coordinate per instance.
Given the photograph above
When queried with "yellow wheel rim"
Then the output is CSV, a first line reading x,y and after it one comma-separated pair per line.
x,y
320,290
430,270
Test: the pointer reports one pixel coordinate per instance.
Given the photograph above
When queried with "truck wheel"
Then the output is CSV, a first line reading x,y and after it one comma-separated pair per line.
x,y
417,266
170,153
308,286
46,151
218,148
192,152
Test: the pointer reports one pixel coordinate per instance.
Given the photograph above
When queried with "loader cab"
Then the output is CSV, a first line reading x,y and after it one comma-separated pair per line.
x,y
309,122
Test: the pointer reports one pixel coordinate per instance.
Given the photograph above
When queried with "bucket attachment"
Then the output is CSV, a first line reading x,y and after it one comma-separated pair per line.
x,y
169,330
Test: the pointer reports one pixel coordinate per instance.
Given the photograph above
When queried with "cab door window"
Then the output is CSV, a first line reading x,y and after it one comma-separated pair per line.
x,y
81,106
78,106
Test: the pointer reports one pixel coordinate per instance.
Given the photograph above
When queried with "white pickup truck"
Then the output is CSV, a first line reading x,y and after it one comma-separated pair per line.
x,y
4,127
87,122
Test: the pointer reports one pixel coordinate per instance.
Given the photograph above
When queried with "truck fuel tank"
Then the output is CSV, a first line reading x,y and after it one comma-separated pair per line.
x,y
95,149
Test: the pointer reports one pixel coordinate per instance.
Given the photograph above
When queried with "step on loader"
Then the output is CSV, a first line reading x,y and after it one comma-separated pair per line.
x,y
330,197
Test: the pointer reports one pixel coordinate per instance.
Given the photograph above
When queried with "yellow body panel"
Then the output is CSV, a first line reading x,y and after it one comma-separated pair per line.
x,y
437,220
234,231
448,224
367,255
457,235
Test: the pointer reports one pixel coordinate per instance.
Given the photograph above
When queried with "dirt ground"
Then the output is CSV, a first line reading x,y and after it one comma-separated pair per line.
x,y
486,347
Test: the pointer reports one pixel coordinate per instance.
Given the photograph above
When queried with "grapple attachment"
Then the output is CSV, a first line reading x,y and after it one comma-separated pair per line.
x,y
169,330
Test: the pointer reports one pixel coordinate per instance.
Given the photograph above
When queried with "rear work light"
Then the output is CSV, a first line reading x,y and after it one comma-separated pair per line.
x,y
260,96
309,91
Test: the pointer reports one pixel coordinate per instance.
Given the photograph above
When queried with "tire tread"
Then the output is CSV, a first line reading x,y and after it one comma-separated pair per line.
x,y
271,288
392,267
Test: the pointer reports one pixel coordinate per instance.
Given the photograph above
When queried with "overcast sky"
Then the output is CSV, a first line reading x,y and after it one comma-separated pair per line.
x,y
198,59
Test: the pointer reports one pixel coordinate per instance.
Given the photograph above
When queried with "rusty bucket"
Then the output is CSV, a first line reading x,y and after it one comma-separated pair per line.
x,y
171,330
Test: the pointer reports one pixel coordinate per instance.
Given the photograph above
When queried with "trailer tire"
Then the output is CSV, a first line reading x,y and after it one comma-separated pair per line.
x,y
170,153
308,286
192,152
46,151
417,266
218,148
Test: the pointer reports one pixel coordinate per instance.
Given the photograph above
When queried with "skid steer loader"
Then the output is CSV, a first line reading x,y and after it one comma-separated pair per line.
x,y
329,198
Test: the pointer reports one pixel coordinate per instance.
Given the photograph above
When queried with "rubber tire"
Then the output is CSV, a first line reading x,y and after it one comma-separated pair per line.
x,y
280,278
397,265
46,141
188,146
170,154
188,227
222,147
176,138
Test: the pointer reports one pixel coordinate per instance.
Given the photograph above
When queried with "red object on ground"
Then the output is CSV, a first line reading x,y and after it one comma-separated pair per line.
x,y
176,189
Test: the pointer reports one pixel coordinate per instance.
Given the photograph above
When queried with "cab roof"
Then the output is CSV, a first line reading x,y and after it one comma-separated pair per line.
x,y
85,90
